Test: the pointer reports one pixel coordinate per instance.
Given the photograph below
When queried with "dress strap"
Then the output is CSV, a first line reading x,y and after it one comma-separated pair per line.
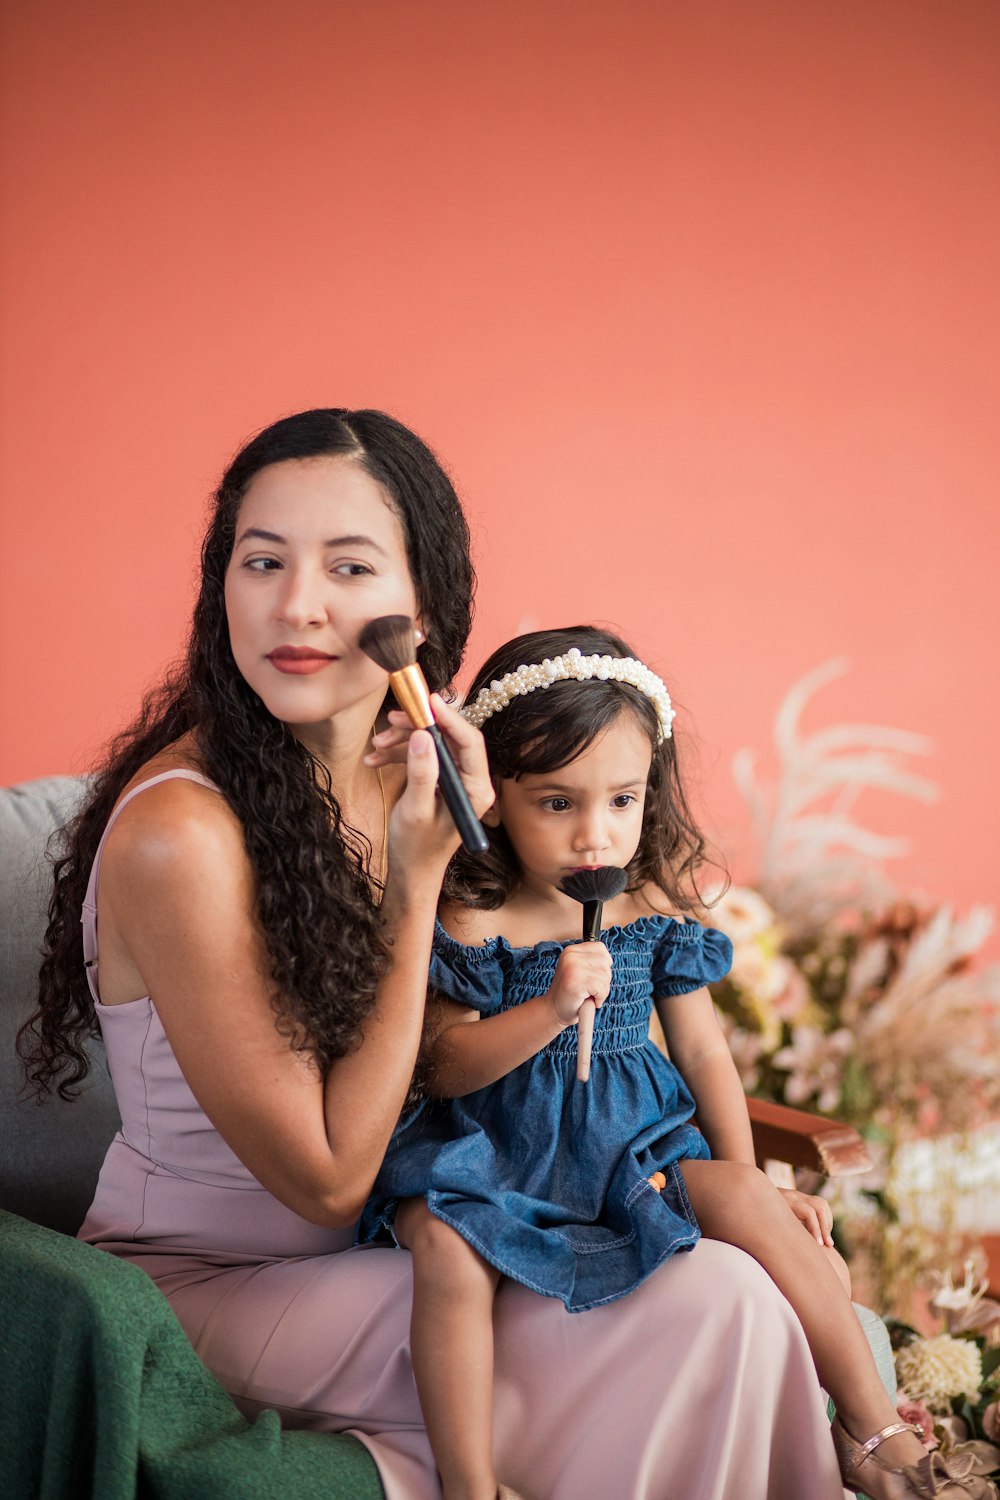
x,y
88,915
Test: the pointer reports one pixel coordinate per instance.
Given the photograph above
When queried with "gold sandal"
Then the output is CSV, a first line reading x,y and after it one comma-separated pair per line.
x,y
960,1477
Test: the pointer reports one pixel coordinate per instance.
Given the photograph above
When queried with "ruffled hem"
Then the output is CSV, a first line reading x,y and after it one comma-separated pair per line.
x,y
547,1247
450,949
588,1280
658,955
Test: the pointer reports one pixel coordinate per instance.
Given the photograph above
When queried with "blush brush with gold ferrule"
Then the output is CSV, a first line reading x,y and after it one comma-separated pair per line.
x,y
591,888
391,642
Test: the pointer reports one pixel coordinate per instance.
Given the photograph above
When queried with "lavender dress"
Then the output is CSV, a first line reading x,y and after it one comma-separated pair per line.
x,y
698,1386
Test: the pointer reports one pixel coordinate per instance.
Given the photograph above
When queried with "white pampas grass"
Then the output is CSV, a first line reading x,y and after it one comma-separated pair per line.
x,y
814,856
834,765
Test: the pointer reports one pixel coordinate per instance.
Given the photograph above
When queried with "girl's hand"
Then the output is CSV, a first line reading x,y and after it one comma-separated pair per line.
x,y
421,830
812,1212
582,973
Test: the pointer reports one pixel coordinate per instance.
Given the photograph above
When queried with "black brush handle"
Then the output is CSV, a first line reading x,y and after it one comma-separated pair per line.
x,y
457,798
586,1020
592,914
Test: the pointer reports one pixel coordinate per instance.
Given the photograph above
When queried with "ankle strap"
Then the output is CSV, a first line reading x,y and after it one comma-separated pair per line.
x,y
887,1432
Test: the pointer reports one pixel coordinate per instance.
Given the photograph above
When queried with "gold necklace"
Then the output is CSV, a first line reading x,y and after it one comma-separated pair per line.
x,y
385,830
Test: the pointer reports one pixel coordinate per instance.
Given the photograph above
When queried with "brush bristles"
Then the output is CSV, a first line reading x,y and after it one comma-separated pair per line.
x,y
595,885
390,641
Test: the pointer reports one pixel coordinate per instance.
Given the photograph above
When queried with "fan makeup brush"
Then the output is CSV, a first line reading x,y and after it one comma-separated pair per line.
x,y
390,642
592,888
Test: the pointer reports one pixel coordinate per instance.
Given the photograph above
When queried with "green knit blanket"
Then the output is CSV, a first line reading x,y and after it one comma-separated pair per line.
x,y
102,1395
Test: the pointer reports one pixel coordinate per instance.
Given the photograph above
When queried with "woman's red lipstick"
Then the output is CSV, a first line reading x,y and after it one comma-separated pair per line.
x,y
299,660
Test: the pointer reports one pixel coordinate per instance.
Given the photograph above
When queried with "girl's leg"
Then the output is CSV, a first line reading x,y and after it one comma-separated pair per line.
x,y
451,1341
737,1204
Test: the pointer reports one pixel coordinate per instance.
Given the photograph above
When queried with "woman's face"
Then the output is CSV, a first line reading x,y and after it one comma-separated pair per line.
x,y
319,552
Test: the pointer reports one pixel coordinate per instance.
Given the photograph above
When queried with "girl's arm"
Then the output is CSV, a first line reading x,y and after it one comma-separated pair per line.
x,y
463,1057
698,1049
177,898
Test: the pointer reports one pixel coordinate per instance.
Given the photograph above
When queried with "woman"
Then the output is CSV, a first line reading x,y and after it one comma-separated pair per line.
x,y
265,902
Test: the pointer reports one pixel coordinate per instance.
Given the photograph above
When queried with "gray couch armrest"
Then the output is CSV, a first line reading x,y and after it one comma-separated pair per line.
x,y
50,1153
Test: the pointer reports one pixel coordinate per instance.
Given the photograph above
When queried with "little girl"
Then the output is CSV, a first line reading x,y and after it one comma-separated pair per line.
x,y
580,1190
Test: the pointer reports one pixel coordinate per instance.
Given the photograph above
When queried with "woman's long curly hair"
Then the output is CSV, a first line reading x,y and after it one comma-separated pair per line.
x,y
314,902
542,731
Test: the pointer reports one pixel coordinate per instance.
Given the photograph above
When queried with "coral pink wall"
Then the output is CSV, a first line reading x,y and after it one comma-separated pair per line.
x,y
698,301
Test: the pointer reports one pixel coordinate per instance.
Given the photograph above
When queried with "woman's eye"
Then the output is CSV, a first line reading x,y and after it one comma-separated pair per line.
x,y
353,569
261,564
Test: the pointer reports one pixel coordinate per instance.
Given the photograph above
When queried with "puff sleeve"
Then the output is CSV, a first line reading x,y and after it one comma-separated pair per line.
x,y
469,976
688,956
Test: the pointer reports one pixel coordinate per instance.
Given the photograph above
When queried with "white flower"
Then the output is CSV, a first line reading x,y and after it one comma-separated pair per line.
x,y
952,1298
741,914
966,1308
934,1370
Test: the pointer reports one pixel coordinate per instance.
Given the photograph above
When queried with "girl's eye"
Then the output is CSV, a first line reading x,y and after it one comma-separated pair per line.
x,y
624,799
556,804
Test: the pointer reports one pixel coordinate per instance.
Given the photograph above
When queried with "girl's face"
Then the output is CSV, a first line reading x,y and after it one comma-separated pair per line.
x,y
319,552
584,815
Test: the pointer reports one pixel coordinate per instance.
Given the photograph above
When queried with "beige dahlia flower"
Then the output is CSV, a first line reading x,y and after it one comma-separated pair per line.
x,y
934,1370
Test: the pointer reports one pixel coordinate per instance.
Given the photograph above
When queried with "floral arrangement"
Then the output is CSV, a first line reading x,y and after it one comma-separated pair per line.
x,y
949,1384
848,996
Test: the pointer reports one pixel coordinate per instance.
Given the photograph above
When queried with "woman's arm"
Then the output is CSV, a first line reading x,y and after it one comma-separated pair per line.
x,y
177,894
699,1050
464,1058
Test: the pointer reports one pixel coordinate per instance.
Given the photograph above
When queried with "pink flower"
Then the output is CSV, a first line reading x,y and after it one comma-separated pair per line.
x,y
991,1422
917,1412
953,1431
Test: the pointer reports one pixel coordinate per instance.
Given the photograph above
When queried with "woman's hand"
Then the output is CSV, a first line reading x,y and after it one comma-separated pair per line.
x,y
583,973
422,833
812,1212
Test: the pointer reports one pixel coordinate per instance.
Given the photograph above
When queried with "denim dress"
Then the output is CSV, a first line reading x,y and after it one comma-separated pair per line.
x,y
546,1177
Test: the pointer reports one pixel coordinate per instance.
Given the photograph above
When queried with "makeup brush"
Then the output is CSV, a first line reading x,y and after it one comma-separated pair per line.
x,y
592,888
390,641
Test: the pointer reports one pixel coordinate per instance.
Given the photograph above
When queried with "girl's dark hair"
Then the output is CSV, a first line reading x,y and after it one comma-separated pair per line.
x,y
314,903
541,731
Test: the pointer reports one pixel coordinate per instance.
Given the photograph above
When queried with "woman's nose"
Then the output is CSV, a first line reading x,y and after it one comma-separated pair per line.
x,y
300,601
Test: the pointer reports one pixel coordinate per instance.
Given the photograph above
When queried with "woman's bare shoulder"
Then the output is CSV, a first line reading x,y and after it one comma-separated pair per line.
x,y
176,826
182,755
175,881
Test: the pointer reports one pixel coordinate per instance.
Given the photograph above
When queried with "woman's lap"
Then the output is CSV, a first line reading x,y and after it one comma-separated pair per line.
x,y
699,1385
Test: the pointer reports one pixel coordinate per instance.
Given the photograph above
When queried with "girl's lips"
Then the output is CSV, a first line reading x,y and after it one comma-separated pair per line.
x,y
300,661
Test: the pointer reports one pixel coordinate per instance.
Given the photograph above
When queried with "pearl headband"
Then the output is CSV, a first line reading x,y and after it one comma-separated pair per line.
x,y
574,665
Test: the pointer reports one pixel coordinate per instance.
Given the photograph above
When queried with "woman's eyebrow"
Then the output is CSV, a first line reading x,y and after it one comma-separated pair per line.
x,y
355,541
257,533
